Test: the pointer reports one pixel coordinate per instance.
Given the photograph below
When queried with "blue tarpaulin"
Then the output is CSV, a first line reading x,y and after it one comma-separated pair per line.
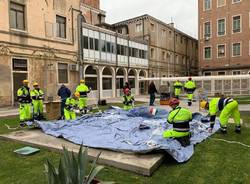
x,y
118,130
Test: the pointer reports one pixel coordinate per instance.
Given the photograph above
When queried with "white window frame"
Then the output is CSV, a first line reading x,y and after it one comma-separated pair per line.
x,y
236,2
232,49
138,24
236,71
58,73
218,50
13,71
240,23
204,28
204,8
223,18
211,52
221,5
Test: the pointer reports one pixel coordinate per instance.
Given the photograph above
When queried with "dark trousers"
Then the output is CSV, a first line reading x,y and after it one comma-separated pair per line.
x,y
62,107
152,99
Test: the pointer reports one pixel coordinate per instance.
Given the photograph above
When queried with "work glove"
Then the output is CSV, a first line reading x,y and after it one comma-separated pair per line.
x,y
210,130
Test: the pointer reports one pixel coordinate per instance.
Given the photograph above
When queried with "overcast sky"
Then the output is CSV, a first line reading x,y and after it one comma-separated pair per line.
x,y
184,13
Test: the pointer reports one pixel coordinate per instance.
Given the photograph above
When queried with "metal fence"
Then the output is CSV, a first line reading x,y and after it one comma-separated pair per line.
x,y
230,85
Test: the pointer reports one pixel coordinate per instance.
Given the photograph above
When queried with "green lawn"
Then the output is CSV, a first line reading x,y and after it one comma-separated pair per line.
x,y
243,99
213,162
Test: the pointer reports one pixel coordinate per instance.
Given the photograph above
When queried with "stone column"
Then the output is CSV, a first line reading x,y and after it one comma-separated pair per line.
x,y
137,90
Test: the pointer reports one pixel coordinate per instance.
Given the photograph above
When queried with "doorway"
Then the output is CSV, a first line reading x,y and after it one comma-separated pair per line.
x,y
19,73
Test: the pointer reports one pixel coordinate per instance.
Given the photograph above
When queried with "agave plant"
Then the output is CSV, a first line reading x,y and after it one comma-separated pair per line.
x,y
72,168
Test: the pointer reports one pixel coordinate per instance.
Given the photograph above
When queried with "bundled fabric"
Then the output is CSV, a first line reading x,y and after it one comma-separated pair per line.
x,y
122,131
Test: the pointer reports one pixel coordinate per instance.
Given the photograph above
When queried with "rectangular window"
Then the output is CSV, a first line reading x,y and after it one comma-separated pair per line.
x,y
207,74
236,49
17,16
62,73
221,27
60,26
122,50
221,51
91,43
221,73
113,48
96,44
237,24
118,49
236,1
138,27
91,82
207,52
207,30
207,4
236,72
152,53
108,47
163,55
152,27
107,83
85,42
19,65
221,3
103,45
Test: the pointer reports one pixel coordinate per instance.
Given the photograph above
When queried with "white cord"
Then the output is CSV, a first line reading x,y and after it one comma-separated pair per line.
x,y
231,142
9,128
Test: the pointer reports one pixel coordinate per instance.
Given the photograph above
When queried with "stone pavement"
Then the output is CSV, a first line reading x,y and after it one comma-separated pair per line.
x,y
13,111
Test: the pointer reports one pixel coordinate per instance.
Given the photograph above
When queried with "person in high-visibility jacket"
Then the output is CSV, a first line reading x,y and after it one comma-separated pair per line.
x,y
71,105
180,118
23,97
83,90
37,96
128,100
190,87
228,108
177,89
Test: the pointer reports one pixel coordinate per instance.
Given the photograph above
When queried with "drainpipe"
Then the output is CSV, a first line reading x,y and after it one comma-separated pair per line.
x,y
80,46
80,19
174,50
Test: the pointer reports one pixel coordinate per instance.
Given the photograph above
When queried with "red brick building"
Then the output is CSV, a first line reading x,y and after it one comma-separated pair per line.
x,y
224,37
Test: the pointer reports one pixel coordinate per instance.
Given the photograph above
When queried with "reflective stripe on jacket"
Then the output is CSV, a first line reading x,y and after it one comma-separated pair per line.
x,y
83,90
180,118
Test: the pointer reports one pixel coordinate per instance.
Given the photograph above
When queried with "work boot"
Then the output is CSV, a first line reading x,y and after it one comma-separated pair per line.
x,y
184,141
22,124
238,129
189,103
223,130
85,110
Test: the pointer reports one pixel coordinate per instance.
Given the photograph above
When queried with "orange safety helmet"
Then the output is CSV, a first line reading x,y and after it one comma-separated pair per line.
x,y
126,91
174,102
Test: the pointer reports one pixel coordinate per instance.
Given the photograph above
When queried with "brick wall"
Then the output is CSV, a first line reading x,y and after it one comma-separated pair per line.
x,y
93,3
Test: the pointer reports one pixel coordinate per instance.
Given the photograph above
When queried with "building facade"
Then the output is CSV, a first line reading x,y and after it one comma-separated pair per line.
x,y
224,37
110,60
43,41
171,52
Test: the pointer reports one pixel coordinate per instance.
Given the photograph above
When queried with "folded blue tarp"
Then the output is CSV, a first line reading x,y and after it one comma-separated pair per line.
x,y
118,130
